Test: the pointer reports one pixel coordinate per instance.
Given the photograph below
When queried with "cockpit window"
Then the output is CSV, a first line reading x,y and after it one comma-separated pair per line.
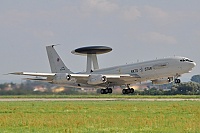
x,y
186,60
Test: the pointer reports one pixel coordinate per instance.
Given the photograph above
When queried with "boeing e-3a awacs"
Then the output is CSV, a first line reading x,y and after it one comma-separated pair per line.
x,y
159,71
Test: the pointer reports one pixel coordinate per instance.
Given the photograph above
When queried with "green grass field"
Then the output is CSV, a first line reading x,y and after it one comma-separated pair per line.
x,y
100,116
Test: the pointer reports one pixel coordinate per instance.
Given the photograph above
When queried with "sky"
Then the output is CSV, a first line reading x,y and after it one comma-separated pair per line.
x,y
136,30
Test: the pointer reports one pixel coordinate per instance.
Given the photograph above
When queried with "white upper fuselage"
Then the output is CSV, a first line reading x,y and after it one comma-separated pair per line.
x,y
151,70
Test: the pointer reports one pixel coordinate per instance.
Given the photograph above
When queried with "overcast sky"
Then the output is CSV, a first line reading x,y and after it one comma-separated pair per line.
x,y
135,29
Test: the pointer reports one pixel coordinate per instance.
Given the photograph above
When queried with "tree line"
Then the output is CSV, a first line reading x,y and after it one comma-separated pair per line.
x,y
188,88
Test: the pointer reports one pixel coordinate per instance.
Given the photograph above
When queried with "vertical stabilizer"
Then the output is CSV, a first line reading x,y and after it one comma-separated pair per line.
x,y
56,64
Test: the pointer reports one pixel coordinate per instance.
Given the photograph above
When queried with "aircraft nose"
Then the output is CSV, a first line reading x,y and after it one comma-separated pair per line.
x,y
194,64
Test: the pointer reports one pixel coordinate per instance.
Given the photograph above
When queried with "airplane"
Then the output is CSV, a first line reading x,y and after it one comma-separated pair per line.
x,y
159,71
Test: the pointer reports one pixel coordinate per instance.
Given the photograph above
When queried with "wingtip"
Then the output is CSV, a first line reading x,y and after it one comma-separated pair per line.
x,y
16,73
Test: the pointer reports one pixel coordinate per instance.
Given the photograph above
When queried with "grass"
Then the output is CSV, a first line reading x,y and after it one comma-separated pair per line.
x,y
100,116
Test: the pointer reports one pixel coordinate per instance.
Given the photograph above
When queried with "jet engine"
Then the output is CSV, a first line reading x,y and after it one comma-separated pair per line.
x,y
68,77
96,79
60,78
162,81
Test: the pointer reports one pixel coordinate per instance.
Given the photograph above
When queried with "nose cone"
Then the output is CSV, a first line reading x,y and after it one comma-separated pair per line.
x,y
193,64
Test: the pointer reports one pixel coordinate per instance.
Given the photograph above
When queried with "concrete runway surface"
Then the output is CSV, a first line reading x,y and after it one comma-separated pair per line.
x,y
96,99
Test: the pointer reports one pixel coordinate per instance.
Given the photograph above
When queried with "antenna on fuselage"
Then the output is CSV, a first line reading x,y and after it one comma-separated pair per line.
x,y
91,52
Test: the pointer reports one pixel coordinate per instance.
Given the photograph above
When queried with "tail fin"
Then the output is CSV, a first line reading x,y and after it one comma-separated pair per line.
x,y
56,64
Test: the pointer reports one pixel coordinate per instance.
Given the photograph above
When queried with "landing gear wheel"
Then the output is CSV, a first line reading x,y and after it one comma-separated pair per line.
x,y
132,90
109,90
103,91
177,81
106,91
124,91
128,91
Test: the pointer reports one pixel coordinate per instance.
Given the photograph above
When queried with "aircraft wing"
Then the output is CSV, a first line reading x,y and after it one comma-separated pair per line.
x,y
113,79
33,74
122,79
45,77
92,79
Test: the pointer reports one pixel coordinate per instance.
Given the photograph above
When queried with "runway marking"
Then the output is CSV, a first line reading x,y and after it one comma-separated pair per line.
x,y
96,99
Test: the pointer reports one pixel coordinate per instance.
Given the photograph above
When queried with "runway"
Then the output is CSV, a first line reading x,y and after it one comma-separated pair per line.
x,y
96,99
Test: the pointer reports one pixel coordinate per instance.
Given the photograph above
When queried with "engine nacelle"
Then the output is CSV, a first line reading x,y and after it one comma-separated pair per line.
x,y
60,78
68,77
162,81
96,79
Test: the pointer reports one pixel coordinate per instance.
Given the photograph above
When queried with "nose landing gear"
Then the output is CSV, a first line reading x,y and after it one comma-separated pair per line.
x,y
177,81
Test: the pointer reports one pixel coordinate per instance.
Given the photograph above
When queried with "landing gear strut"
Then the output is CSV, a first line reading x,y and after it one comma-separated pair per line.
x,y
128,90
106,91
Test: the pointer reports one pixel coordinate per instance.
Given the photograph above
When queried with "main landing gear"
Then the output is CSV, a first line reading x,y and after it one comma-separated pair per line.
x,y
124,91
106,91
128,90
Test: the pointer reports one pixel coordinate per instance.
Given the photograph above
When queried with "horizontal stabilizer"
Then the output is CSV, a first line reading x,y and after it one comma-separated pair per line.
x,y
33,74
